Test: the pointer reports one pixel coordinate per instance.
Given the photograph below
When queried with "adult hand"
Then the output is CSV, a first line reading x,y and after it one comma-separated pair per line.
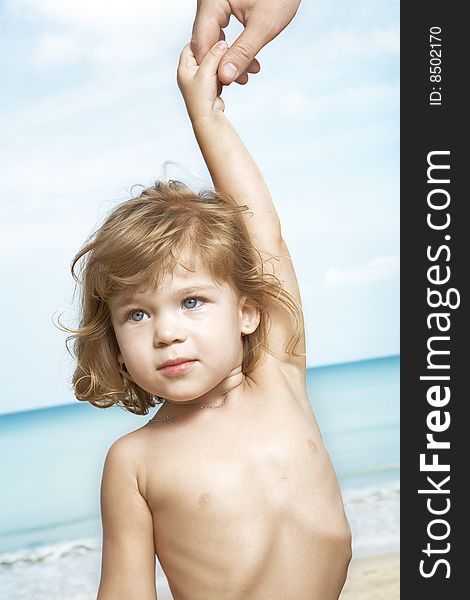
x,y
263,21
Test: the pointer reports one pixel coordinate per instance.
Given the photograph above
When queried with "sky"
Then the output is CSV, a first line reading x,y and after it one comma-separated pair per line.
x,y
90,106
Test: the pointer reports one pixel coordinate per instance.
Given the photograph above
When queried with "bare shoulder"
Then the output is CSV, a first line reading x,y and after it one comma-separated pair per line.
x,y
127,447
128,563
126,451
123,470
127,456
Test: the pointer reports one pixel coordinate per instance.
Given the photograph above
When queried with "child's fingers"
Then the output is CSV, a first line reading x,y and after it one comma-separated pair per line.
x,y
211,61
187,59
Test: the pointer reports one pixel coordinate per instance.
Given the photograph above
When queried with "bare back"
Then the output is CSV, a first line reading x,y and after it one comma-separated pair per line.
x,y
244,499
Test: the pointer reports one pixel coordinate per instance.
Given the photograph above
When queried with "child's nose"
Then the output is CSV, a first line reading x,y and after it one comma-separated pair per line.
x,y
168,330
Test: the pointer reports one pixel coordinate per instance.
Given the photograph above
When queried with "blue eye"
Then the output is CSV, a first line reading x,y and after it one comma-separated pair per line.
x,y
139,315
191,302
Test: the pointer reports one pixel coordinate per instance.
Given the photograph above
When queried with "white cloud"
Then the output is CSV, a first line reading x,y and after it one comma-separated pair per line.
x,y
387,39
103,15
23,240
344,43
57,49
376,269
295,103
299,101
97,94
366,96
103,32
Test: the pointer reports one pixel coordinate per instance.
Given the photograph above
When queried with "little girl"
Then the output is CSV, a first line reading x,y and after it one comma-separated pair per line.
x,y
191,301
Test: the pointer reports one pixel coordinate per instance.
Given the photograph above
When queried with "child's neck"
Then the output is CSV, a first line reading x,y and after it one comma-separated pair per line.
x,y
216,396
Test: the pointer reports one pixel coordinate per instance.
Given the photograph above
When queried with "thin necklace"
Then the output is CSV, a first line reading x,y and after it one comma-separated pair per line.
x,y
172,417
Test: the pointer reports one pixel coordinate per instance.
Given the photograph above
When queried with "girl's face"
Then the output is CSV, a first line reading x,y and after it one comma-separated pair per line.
x,y
189,319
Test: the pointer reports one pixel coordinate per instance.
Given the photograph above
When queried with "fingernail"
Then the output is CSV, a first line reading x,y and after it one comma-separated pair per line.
x,y
222,45
230,70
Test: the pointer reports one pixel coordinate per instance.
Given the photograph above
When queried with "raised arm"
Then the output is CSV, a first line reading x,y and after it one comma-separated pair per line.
x,y
234,171
128,564
231,166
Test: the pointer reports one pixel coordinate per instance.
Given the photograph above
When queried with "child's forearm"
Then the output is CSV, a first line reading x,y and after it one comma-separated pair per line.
x,y
234,172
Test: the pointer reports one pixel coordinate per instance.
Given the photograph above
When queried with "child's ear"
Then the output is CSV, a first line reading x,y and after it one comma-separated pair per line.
x,y
249,317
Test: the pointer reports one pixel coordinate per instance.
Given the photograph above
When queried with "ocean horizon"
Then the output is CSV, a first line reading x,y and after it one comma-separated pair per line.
x,y
53,457
9,410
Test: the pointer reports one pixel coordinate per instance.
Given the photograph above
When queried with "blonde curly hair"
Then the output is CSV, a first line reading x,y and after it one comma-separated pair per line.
x,y
137,245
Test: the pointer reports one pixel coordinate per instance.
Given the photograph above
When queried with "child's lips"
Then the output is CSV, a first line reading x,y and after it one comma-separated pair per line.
x,y
177,368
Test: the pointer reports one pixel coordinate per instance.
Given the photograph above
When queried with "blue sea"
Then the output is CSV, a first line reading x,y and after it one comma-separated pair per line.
x,y
52,459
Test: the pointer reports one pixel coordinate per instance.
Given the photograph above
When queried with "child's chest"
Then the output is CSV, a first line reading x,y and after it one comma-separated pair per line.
x,y
251,491
270,458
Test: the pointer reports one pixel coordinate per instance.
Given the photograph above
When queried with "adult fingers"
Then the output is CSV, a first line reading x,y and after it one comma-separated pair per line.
x,y
206,32
241,55
254,67
242,79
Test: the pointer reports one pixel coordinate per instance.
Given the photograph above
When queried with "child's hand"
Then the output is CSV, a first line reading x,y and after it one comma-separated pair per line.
x,y
199,85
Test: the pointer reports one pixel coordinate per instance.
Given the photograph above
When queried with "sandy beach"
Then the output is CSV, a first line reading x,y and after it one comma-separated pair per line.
x,y
373,578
